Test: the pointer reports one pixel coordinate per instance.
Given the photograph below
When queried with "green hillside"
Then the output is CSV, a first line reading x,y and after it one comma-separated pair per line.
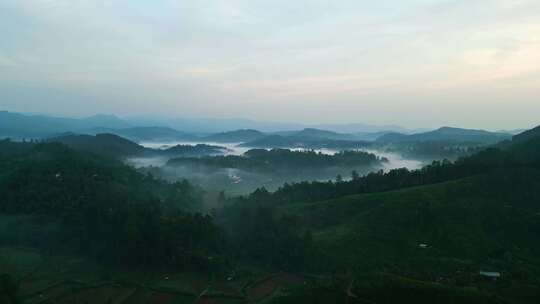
x,y
101,144
449,231
106,210
404,235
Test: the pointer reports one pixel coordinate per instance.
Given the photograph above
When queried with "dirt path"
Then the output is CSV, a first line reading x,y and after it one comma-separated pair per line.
x,y
202,294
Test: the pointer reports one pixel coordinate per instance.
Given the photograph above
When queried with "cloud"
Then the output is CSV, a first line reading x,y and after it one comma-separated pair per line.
x,y
189,56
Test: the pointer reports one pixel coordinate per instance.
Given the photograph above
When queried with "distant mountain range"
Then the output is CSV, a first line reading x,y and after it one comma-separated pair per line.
x,y
215,125
19,126
208,126
448,134
38,126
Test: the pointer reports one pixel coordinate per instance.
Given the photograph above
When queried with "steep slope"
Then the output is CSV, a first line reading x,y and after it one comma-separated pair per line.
x,y
526,135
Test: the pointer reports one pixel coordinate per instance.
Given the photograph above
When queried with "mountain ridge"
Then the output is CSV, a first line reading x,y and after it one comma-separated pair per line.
x,y
447,134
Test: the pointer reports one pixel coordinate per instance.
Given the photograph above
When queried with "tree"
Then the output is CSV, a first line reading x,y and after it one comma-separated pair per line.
x,y
8,290
221,198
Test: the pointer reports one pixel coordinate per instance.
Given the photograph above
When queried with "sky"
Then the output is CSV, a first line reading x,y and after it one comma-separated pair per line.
x,y
415,63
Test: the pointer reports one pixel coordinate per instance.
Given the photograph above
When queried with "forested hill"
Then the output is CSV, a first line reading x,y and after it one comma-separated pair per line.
x,y
283,160
279,141
147,134
407,236
111,145
236,136
248,135
102,203
517,154
527,135
446,233
102,144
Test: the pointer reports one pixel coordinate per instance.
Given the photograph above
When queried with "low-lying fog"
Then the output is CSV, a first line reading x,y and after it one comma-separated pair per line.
x,y
240,181
232,148
395,160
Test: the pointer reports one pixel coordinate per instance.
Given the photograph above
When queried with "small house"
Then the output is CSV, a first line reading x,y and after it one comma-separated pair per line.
x,y
490,275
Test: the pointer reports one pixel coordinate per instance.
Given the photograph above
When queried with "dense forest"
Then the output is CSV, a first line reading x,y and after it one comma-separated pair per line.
x,y
283,160
445,222
108,210
433,150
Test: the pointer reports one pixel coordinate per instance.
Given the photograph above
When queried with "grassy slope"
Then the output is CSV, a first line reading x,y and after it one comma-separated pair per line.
x,y
487,222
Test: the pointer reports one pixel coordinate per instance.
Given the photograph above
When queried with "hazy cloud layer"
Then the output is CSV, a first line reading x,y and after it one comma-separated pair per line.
x,y
418,63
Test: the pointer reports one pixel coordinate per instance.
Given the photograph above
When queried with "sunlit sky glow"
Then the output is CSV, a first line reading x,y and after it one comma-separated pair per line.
x,y
416,63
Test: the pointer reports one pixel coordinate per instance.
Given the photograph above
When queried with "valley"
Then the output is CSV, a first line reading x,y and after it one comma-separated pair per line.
x,y
104,219
269,152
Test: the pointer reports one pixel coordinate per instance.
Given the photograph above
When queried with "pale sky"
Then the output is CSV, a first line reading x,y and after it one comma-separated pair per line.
x,y
415,63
